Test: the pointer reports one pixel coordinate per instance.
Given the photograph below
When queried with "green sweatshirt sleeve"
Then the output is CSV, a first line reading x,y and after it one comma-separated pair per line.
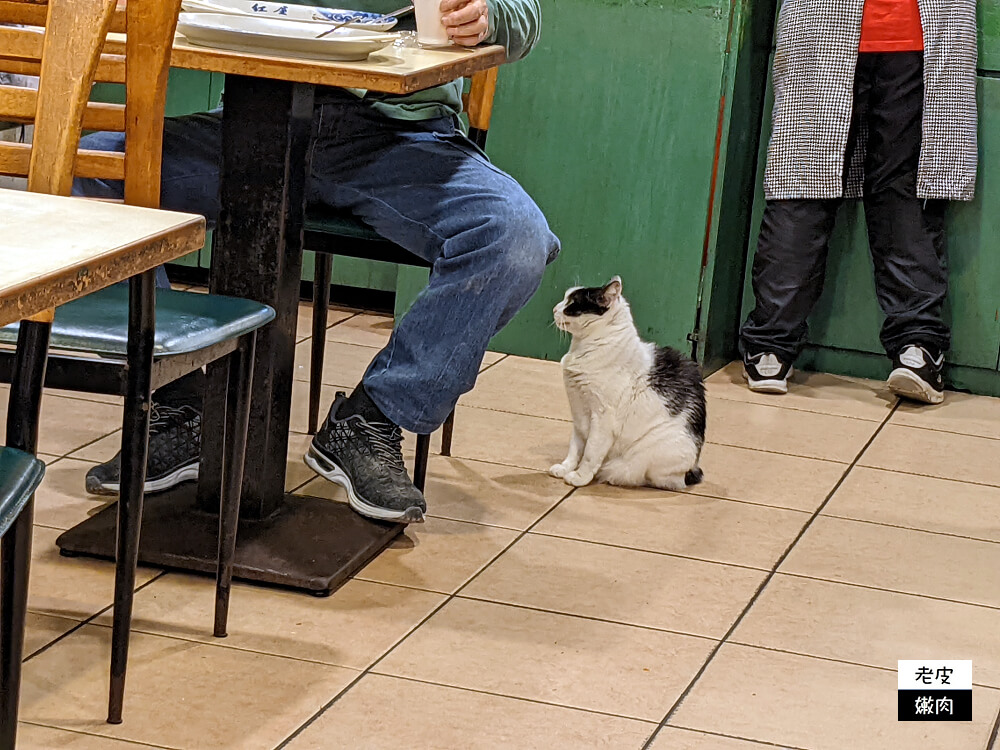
x,y
515,25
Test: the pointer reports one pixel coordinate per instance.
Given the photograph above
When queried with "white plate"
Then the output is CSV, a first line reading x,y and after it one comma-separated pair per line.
x,y
284,38
326,16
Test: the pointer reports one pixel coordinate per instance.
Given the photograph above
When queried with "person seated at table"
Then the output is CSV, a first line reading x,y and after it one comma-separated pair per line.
x,y
403,165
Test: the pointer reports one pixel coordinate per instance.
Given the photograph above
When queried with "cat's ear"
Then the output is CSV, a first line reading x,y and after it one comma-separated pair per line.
x,y
612,290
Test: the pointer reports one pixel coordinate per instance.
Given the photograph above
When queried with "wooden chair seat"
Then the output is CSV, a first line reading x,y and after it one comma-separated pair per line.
x,y
185,322
20,475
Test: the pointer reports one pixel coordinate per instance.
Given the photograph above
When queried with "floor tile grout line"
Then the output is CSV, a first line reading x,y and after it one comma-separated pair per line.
x,y
947,432
766,743
521,698
495,410
578,616
517,539
991,742
767,579
88,621
884,470
798,409
846,662
794,455
140,743
911,528
69,454
928,476
484,368
449,597
890,591
675,555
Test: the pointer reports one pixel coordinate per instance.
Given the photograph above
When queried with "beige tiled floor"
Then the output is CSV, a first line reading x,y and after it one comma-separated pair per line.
x,y
835,533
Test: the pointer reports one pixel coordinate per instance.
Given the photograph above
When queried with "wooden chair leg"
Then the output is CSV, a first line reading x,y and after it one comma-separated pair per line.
x,y
420,461
321,309
237,423
135,444
15,549
447,430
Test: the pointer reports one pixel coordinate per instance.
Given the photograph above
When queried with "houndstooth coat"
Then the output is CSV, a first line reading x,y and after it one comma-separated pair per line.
x,y
817,50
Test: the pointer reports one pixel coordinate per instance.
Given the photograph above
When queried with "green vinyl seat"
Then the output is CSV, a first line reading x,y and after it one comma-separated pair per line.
x,y
185,322
340,223
20,475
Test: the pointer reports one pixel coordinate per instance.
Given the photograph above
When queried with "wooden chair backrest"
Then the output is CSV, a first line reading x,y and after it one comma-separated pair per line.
x,y
478,100
65,43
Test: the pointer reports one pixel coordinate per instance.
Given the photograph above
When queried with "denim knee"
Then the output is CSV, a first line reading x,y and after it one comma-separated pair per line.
x,y
528,243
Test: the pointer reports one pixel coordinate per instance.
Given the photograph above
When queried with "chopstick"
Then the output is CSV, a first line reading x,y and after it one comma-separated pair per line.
x,y
395,14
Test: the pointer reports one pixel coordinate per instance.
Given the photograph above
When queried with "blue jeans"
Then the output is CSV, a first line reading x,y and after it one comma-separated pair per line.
x,y
422,185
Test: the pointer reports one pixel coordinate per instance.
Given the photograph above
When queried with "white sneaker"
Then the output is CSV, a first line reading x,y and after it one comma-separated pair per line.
x,y
765,373
916,375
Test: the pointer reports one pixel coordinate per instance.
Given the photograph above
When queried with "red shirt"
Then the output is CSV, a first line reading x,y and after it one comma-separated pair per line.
x,y
891,26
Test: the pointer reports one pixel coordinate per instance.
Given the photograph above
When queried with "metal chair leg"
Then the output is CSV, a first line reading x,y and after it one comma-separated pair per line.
x,y
16,561
420,461
321,308
237,423
135,444
447,429
15,549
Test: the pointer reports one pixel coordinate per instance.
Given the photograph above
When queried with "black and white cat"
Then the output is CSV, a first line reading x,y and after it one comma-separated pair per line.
x,y
638,409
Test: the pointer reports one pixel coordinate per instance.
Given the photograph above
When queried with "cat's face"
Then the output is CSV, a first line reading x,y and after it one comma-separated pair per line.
x,y
583,307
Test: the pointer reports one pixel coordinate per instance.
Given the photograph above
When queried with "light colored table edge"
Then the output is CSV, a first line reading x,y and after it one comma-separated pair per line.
x,y
83,277
351,75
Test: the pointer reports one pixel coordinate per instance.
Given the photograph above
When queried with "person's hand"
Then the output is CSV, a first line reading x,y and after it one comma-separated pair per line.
x,y
467,21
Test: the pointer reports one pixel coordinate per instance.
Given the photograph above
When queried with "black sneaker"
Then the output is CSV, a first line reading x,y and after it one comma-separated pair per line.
x,y
366,459
916,375
766,373
174,452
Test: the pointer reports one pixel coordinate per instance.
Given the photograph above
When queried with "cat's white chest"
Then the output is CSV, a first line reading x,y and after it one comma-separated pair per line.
x,y
596,381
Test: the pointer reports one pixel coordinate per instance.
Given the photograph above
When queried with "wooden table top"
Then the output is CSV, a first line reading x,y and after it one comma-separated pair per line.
x,y
54,250
393,70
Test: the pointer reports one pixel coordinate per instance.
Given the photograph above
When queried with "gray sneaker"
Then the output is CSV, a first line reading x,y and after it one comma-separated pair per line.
x,y
172,459
366,459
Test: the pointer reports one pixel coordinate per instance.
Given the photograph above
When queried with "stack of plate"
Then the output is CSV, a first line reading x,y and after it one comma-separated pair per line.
x,y
284,11
271,34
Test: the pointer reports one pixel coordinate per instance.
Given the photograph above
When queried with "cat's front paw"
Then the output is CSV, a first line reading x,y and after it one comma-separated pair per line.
x,y
577,479
558,470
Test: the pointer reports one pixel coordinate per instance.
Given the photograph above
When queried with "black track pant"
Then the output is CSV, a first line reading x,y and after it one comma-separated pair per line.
x,y
906,234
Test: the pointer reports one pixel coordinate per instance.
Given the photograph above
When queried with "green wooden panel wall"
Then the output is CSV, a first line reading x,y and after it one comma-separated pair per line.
x,y
989,34
610,125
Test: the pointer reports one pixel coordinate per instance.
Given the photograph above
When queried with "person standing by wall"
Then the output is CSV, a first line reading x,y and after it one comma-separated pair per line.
x,y
874,99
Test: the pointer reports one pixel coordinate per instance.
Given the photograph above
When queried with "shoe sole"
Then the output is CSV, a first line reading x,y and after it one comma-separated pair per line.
x,y
328,470
179,476
907,384
776,387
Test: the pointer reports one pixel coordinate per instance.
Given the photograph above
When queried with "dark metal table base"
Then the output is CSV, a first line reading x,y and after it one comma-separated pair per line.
x,y
310,544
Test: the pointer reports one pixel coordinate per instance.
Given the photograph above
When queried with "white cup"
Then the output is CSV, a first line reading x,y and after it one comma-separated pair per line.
x,y
430,29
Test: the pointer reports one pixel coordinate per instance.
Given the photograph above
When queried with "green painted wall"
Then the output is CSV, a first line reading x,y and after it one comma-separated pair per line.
x,y
610,124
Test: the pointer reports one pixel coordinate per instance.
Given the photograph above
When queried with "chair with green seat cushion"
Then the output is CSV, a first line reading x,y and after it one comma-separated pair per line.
x,y
186,322
20,475
329,233
191,331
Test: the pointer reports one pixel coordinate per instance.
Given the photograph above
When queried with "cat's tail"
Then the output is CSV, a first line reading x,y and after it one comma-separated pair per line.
x,y
694,476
